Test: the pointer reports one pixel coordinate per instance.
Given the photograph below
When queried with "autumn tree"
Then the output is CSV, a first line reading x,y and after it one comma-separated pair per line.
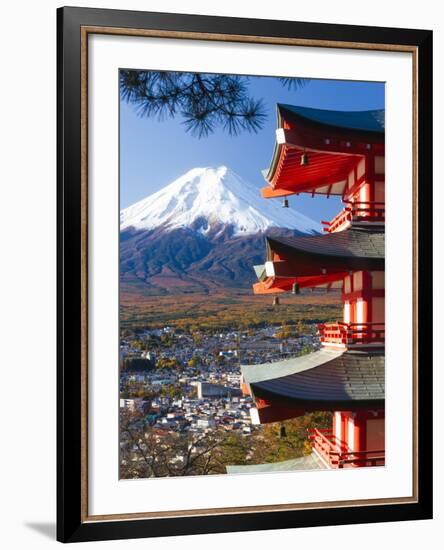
x,y
167,363
172,391
195,361
147,452
268,445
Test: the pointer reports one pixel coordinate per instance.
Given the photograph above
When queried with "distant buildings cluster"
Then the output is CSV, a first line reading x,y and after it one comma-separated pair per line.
x,y
202,392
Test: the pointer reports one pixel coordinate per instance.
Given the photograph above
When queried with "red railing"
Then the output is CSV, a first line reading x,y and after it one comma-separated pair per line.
x,y
336,455
356,212
350,334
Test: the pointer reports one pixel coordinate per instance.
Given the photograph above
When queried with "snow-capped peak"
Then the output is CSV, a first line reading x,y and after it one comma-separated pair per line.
x,y
217,195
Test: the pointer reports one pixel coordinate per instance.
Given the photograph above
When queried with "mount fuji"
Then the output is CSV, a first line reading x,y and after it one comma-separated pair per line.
x,y
202,232
217,196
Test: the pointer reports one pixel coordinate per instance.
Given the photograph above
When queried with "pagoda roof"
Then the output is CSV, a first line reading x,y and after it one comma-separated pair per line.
x,y
321,380
308,462
319,260
353,242
364,121
275,285
335,141
253,374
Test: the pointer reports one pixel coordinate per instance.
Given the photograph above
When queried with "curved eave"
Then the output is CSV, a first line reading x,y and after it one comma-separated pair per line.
x,y
323,380
309,405
326,173
276,150
334,150
274,285
301,265
351,247
366,124
318,261
253,374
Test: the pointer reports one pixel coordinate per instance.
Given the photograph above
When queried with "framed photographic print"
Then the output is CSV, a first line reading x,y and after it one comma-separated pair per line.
x,y
244,286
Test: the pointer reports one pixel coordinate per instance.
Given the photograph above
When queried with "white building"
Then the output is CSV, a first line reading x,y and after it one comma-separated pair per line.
x,y
133,404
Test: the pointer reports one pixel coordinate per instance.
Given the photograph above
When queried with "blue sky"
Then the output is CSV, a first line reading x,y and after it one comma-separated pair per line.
x,y
153,153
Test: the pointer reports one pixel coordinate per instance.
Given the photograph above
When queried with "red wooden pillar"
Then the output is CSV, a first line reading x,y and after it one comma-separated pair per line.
x,y
366,297
370,177
360,434
345,431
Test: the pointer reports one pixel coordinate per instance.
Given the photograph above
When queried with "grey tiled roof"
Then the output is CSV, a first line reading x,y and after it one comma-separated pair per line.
x,y
351,377
350,243
266,371
308,462
365,121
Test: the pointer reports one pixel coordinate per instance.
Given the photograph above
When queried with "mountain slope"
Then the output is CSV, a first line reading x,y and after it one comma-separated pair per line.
x,y
201,233
209,197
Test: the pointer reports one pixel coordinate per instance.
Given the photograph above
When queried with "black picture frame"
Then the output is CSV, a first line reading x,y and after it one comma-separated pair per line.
x,y
71,523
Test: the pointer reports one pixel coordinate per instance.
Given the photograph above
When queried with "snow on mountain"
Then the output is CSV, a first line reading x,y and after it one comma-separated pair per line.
x,y
219,197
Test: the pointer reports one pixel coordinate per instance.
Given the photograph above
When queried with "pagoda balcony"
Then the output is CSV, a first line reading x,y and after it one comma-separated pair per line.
x,y
336,455
352,335
356,212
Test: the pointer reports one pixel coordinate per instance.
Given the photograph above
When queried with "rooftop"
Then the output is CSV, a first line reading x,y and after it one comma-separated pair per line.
x,y
308,462
366,121
350,243
317,149
319,260
323,379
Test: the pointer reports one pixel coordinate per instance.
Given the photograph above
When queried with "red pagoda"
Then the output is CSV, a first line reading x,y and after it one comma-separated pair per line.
x,y
330,153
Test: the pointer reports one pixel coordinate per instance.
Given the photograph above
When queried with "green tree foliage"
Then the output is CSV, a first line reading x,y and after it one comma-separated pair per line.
x,y
167,340
197,338
234,449
268,445
146,452
168,363
305,350
195,361
204,101
302,328
211,316
283,334
171,391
